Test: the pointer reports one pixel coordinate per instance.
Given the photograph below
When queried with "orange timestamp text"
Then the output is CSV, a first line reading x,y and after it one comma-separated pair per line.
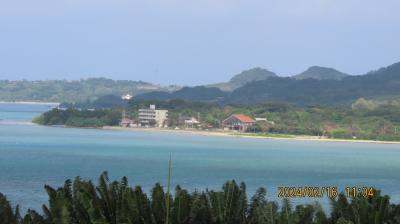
x,y
319,192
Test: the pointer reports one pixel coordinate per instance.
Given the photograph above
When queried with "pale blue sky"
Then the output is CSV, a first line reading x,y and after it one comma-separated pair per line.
x,y
193,41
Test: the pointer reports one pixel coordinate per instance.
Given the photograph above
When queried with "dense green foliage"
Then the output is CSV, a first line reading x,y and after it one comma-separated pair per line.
x,y
373,120
80,118
115,202
71,91
103,102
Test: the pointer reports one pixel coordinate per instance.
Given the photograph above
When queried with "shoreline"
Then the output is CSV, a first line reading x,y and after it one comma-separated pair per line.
x,y
30,103
244,135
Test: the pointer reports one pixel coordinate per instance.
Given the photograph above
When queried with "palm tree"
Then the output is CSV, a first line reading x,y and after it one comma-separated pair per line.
x,y
7,214
230,205
200,212
158,205
32,217
181,207
142,204
81,202
258,212
108,198
59,211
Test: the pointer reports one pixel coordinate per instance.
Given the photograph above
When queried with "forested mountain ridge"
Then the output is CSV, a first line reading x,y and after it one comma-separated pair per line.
x,y
317,85
73,91
382,83
247,76
317,72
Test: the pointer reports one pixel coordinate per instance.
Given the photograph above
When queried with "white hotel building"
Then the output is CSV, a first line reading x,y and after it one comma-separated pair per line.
x,y
152,117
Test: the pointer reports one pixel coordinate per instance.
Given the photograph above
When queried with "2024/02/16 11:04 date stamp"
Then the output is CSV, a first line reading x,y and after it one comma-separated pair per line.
x,y
319,192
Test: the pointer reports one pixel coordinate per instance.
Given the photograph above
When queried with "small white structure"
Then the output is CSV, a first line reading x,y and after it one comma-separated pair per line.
x,y
191,121
126,97
260,119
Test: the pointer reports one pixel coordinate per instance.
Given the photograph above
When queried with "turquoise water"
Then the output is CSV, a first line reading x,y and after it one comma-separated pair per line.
x,y
31,156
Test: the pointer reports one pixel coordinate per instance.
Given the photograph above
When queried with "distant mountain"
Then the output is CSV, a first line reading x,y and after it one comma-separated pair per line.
x,y
382,83
251,75
321,73
317,85
73,91
247,76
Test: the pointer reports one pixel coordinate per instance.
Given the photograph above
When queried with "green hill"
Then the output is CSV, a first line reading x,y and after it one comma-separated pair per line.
x,y
321,73
247,76
73,91
382,83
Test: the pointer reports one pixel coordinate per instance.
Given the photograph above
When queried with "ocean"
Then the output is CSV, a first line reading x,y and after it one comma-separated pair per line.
x,y
32,156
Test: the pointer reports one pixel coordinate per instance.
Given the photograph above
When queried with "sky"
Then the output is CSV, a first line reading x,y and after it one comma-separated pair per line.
x,y
193,42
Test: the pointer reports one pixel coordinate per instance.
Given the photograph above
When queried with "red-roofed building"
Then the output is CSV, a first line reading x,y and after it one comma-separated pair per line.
x,y
238,122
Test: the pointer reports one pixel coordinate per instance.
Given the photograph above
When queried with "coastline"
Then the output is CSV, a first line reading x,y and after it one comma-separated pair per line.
x,y
31,103
245,135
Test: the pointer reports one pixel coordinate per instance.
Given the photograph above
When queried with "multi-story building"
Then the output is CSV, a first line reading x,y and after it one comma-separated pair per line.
x,y
153,118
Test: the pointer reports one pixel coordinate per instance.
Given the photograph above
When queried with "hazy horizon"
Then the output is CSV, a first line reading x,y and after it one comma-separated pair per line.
x,y
191,42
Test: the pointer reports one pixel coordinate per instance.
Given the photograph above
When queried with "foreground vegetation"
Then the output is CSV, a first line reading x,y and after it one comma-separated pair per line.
x,y
365,119
115,202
